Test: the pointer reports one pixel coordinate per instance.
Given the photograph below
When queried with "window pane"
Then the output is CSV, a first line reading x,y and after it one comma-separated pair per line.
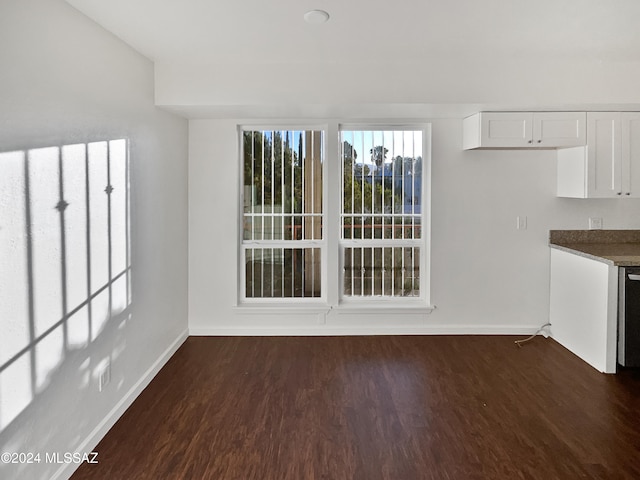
x,y
282,177
384,271
282,272
381,212
382,179
282,185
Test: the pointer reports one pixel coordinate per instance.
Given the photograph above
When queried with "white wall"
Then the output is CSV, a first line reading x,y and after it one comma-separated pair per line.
x,y
66,81
439,79
487,276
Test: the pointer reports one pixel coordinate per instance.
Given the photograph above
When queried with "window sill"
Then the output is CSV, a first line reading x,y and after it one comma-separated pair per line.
x,y
383,308
282,309
355,308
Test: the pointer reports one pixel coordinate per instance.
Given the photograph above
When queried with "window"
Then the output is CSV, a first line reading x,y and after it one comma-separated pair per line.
x,y
375,225
381,217
282,247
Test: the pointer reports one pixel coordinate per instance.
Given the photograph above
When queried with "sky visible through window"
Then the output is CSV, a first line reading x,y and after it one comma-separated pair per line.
x,y
404,143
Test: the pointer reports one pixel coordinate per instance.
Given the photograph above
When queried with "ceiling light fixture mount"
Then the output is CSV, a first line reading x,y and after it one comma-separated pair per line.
x,y
316,16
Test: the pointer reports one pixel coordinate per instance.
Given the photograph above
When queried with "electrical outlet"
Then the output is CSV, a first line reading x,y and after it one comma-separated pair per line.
x,y
595,223
521,222
105,376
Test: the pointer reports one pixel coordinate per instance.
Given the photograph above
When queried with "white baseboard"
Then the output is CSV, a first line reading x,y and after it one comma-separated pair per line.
x,y
112,417
331,330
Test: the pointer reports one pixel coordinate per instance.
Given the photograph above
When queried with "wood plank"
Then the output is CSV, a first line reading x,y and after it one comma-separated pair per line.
x,y
414,407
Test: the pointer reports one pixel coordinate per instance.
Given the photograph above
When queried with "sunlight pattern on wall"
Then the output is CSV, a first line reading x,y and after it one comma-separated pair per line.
x,y
65,266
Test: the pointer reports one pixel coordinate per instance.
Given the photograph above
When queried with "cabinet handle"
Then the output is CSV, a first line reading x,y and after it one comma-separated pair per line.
x,y
628,193
539,141
619,193
530,141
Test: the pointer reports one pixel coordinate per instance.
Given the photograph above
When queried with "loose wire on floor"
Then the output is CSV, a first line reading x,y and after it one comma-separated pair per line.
x,y
520,342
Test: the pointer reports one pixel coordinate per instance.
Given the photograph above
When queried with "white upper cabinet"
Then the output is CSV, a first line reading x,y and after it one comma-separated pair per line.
x,y
631,152
496,130
559,129
609,165
524,130
604,155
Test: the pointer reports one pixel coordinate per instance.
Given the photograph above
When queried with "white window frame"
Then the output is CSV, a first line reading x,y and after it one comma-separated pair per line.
x,y
425,217
243,245
331,244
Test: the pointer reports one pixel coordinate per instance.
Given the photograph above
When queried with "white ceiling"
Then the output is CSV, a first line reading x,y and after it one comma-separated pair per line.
x,y
533,53
250,31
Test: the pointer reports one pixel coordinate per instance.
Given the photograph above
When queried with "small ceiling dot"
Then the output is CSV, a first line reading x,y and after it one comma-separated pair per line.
x,y
316,16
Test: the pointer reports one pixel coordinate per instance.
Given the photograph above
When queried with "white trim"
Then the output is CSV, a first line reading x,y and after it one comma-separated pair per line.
x,y
369,305
244,245
334,330
374,126
280,126
278,308
427,188
375,306
331,244
332,203
90,442
423,243
290,244
382,242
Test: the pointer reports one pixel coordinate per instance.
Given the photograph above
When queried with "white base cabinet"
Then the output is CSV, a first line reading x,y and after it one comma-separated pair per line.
x,y
584,308
524,130
609,165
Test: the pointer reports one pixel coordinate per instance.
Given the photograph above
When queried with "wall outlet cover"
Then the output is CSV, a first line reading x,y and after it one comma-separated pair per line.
x,y
105,377
595,223
521,222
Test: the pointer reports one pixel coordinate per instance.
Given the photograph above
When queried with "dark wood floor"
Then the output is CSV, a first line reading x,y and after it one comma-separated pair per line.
x,y
367,408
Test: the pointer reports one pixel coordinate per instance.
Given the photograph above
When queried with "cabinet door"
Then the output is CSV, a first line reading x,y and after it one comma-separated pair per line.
x,y
506,130
604,155
559,129
631,155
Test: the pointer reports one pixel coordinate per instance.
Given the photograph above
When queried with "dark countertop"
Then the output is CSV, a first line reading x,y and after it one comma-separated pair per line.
x,y
620,248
